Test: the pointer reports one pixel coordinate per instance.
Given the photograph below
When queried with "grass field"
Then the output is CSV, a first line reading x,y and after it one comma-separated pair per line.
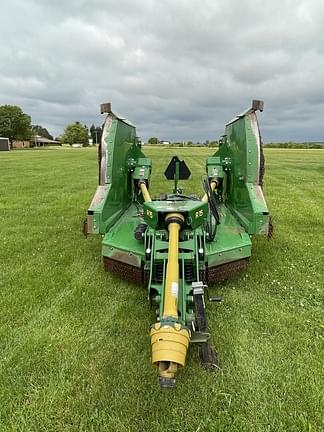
x,y
74,344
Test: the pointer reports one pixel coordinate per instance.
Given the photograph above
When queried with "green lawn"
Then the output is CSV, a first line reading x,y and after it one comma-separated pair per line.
x,y
74,343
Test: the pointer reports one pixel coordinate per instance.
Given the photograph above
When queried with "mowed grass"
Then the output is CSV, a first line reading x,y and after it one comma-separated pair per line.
x,y
74,343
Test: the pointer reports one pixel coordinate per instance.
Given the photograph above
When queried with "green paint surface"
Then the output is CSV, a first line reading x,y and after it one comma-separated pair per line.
x,y
242,193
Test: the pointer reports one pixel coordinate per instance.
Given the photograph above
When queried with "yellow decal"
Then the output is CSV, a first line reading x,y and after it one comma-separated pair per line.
x,y
199,213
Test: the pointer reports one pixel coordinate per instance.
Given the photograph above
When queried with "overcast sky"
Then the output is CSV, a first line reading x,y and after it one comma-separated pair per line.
x,y
178,69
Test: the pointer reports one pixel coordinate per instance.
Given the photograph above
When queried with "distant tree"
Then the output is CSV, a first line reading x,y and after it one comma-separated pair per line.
x,y
75,133
85,144
95,132
153,140
41,131
14,123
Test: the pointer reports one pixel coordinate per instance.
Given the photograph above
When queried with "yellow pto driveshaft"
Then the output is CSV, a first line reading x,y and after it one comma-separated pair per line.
x,y
169,339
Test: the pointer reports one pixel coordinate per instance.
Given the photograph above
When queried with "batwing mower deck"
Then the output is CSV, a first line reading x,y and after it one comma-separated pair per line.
x,y
176,245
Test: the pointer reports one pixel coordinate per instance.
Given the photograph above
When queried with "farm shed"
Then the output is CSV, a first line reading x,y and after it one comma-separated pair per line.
x,y
4,144
39,141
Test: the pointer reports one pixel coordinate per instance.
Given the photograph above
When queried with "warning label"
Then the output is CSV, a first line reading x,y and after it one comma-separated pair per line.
x,y
174,289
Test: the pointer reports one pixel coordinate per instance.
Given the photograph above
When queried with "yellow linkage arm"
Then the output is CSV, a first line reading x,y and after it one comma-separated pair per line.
x,y
145,192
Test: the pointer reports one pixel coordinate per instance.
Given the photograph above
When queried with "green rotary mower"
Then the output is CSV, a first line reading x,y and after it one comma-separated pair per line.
x,y
176,245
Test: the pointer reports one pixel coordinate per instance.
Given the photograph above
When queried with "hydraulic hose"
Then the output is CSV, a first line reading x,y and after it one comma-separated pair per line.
x,y
213,186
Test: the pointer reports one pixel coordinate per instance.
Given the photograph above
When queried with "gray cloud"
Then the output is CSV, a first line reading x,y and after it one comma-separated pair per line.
x,y
177,69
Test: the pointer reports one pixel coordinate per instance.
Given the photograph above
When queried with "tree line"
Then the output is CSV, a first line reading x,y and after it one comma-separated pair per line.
x,y
206,143
78,133
215,143
293,145
16,125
